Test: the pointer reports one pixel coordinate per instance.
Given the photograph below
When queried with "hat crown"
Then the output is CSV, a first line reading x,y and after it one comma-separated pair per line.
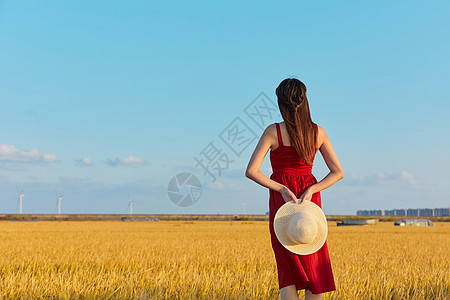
x,y
302,228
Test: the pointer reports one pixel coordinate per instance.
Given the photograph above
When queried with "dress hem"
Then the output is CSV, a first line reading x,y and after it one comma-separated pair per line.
x,y
304,286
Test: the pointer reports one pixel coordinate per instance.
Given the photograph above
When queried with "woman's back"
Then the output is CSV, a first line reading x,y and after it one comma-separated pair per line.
x,y
284,158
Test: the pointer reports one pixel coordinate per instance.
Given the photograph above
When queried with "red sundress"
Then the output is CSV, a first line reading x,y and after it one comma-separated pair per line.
x,y
313,271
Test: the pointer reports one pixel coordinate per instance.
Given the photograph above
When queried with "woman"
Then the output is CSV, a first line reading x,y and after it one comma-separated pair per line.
x,y
293,145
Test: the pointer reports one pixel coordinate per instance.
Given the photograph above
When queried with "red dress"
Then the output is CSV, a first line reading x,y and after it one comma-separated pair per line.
x,y
313,271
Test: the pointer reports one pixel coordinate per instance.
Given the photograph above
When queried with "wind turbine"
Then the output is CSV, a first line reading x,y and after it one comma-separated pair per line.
x,y
20,197
59,198
130,204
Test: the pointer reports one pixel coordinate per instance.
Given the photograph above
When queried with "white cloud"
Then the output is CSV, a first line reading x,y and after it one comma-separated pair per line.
x,y
85,161
130,161
9,153
216,185
402,176
267,170
383,178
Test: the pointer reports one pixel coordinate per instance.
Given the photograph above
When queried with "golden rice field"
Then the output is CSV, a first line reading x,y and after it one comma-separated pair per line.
x,y
211,260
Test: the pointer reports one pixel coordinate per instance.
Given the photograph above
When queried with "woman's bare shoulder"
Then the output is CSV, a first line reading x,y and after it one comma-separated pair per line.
x,y
272,128
321,130
271,133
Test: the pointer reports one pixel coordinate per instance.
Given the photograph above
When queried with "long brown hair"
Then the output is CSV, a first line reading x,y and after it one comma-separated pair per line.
x,y
294,109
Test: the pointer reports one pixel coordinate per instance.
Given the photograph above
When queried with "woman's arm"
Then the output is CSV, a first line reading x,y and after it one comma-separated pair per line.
x,y
268,138
336,173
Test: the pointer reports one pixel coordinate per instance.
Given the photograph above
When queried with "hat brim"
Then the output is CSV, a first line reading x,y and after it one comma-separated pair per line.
x,y
283,217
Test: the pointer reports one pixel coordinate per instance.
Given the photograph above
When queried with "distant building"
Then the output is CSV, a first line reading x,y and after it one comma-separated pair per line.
x,y
412,212
426,212
432,212
375,212
400,212
389,213
441,212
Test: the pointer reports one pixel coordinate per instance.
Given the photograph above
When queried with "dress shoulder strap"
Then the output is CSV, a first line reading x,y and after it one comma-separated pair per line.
x,y
280,140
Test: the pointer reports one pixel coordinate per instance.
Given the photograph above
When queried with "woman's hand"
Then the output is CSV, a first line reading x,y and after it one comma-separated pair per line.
x,y
288,195
306,196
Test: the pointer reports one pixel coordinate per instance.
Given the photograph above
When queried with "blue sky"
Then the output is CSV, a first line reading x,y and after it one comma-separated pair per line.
x,y
105,98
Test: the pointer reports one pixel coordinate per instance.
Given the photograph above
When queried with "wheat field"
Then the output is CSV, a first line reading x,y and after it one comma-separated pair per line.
x,y
211,260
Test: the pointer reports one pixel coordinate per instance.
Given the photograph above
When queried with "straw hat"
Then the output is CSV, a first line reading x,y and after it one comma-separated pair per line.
x,y
301,228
